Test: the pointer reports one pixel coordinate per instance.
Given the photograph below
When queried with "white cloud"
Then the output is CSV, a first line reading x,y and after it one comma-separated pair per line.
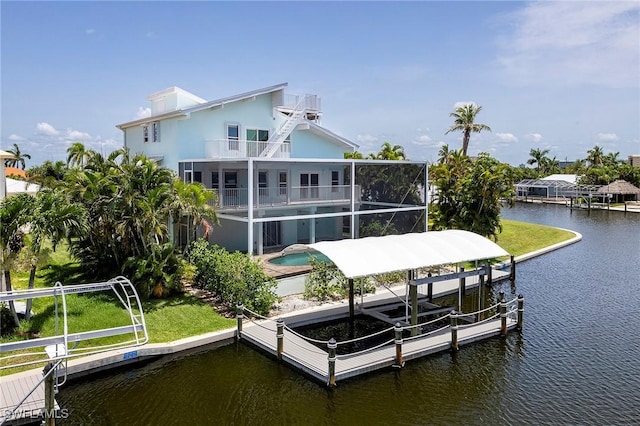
x,y
422,139
460,104
77,135
15,137
367,138
46,129
607,137
90,31
506,137
533,137
574,43
143,112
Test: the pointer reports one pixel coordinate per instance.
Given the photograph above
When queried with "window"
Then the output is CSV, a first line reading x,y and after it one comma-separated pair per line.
x,y
156,131
230,179
263,190
309,185
282,183
233,136
215,180
145,134
197,177
335,180
260,137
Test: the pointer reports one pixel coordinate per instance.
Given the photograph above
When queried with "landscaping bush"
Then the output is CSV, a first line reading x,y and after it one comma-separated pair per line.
x,y
326,282
7,325
234,277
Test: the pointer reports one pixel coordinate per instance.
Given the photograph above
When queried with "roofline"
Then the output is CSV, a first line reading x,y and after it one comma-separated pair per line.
x,y
332,135
206,105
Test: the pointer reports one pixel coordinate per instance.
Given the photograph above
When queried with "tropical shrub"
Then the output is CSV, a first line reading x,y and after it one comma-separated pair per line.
x,y
233,277
326,282
159,274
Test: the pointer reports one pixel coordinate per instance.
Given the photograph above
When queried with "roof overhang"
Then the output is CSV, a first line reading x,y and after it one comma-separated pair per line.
x,y
391,253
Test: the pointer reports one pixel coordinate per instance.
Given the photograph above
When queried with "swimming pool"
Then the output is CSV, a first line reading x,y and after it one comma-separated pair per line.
x,y
298,259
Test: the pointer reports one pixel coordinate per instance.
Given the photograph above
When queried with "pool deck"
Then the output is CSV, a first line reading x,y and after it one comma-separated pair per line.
x,y
281,271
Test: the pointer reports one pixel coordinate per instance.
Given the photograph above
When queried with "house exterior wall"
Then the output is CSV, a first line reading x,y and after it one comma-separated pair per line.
x,y
305,144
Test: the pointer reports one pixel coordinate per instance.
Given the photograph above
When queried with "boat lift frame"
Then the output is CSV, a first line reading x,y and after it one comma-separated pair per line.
x,y
57,347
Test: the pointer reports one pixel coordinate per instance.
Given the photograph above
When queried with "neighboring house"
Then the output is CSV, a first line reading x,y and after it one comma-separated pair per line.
x,y
279,177
634,160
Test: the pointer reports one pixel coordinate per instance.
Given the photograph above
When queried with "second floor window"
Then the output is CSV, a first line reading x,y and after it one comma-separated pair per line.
x,y
156,131
145,134
233,135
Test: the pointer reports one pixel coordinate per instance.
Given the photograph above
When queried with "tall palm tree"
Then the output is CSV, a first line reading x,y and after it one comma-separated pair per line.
x,y
465,117
595,156
537,157
18,157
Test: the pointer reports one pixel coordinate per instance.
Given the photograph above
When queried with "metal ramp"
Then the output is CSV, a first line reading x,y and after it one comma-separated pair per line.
x,y
23,396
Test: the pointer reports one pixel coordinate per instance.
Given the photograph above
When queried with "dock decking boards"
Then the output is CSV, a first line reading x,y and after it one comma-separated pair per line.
x,y
313,361
13,389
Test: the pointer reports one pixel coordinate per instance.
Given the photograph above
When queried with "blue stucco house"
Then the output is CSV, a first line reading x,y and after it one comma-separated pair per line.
x,y
279,176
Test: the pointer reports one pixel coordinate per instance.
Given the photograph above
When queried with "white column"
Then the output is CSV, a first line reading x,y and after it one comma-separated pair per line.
x,y
353,199
312,227
260,235
250,206
3,180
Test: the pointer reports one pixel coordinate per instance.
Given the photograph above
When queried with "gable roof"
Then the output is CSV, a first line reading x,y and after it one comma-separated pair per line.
x,y
211,104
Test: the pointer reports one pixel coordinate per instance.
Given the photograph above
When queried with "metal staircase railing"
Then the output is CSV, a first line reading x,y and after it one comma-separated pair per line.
x,y
298,115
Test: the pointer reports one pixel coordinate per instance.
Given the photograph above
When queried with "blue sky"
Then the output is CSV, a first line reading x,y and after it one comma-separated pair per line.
x,y
562,76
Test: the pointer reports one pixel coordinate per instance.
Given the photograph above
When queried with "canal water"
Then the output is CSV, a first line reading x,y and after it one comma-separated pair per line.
x,y
577,360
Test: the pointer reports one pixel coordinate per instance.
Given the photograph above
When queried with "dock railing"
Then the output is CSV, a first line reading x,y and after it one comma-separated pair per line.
x,y
508,311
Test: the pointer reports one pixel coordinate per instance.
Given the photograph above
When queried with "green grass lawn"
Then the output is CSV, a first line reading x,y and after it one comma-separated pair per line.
x,y
519,238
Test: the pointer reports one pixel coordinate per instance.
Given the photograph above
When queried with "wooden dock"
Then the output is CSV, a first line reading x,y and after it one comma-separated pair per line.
x,y
313,361
13,389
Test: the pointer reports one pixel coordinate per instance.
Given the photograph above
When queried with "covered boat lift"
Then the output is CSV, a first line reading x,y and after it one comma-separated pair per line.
x,y
369,256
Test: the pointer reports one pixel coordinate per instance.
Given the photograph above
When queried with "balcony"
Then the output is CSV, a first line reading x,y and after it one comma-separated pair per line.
x,y
236,198
230,148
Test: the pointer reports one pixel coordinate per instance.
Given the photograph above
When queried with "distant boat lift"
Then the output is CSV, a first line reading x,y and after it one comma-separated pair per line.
x,y
62,346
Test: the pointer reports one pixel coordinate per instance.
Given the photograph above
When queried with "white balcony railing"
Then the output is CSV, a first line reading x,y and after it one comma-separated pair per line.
x,y
310,102
229,148
279,196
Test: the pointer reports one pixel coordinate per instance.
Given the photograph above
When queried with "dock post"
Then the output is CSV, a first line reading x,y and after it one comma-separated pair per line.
x,y
520,311
332,345
280,336
454,331
429,289
351,297
463,286
503,317
413,295
49,395
512,271
239,317
398,331
489,274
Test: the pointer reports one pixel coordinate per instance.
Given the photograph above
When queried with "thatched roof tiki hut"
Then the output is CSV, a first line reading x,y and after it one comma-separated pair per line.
x,y
621,188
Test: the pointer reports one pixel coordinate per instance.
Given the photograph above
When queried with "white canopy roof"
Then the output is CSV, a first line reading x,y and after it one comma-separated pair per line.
x,y
378,255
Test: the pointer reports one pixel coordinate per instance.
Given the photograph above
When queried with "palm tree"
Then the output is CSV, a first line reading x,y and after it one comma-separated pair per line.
x,y
595,156
18,157
77,155
611,159
13,214
55,218
537,157
388,152
464,122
